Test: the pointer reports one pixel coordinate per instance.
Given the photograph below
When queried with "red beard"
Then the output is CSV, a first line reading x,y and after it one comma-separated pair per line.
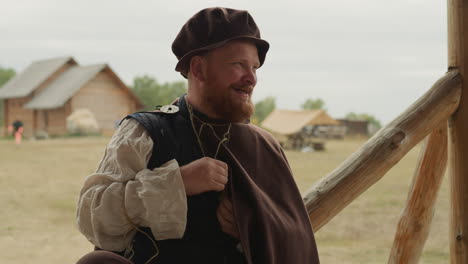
x,y
219,101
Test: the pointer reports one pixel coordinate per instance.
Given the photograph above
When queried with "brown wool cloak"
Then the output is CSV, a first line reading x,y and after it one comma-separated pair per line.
x,y
273,224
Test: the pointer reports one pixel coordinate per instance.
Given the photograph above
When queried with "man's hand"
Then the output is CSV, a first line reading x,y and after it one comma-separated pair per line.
x,y
226,218
203,175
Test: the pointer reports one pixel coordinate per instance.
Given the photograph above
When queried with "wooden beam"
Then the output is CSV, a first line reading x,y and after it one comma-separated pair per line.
x,y
6,121
35,116
415,221
366,166
458,133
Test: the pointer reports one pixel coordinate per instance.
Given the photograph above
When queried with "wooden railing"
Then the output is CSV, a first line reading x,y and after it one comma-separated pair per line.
x,y
366,166
445,103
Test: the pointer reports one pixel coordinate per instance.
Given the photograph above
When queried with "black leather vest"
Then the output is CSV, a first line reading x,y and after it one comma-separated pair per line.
x,y
203,240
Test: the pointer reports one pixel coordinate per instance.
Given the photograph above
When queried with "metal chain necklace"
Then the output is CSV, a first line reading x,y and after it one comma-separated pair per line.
x,y
222,140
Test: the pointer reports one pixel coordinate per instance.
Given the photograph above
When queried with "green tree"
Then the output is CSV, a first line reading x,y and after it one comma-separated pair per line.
x,y
313,104
364,117
152,93
263,108
5,75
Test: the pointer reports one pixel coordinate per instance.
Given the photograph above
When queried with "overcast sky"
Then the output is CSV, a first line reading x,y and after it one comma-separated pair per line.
x,y
366,56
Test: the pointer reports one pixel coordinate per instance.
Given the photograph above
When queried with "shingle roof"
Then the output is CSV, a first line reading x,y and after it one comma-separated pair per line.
x,y
24,83
287,122
64,87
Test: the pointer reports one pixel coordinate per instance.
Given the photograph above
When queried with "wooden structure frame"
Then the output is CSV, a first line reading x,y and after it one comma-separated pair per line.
x,y
444,105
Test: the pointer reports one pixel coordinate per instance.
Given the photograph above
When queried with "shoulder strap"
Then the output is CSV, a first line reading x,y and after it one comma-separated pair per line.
x,y
158,128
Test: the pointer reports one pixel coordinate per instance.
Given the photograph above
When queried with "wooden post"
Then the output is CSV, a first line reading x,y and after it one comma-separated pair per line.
x,y
458,132
414,225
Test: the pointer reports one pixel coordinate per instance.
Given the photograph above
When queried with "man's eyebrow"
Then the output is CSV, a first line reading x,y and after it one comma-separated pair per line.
x,y
234,59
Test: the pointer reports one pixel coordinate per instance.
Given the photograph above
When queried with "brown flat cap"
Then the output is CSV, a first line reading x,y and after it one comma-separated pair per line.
x,y
211,28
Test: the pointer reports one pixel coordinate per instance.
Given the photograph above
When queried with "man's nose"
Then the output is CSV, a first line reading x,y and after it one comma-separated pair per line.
x,y
250,77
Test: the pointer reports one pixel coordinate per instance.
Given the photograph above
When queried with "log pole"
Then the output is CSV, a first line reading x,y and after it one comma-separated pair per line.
x,y
458,132
415,221
366,166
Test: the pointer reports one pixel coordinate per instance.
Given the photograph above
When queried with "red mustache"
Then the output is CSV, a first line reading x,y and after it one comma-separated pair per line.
x,y
245,88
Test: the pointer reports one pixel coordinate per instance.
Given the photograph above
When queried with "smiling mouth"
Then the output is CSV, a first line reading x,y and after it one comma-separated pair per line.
x,y
245,91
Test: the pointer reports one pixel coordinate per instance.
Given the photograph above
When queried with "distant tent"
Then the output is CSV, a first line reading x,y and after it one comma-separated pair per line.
x,y
302,128
288,122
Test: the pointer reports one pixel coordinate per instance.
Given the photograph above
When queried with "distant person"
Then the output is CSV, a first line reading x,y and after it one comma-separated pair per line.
x,y
194,182
17,131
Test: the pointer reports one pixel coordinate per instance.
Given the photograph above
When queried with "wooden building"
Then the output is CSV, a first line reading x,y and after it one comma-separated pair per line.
x,y
48,91
296,129
355,127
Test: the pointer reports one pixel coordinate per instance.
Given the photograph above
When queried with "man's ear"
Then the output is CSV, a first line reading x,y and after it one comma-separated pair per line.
x,y
197,69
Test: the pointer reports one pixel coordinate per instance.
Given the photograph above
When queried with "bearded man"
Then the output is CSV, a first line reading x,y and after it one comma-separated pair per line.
x,y
194,182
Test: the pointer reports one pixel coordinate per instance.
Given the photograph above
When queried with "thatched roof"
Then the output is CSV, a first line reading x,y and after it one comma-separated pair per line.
x,y
27,81
287,122
64,87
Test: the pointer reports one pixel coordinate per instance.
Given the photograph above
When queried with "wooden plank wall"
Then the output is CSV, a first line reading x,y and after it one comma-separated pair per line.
x,y
41,120
107,99
57,120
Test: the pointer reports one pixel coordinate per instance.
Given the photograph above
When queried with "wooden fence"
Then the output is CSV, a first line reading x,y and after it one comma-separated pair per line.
x,y
441,115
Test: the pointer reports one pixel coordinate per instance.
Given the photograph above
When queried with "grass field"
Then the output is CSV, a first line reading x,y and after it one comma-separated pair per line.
x,y
40,181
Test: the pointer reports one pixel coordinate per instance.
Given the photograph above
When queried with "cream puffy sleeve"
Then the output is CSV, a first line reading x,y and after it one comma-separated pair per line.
x,y
122,183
